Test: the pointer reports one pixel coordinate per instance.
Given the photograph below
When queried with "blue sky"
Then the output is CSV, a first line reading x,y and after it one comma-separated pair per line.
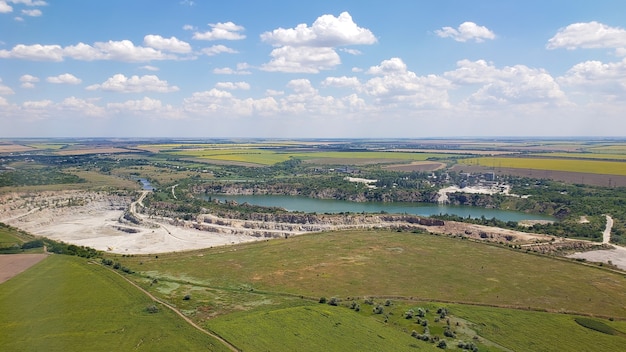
x,y
316,69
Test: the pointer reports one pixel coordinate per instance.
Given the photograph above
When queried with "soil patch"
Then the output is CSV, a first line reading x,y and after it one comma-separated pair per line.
x,y
13,264
416,166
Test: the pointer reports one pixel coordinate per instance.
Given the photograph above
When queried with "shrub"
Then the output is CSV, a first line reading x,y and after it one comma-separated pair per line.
x,y
333,301
187,297
152,309
378,309
322,300
442,344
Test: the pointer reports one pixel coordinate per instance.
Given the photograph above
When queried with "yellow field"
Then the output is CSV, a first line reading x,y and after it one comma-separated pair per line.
x,y
604,156
569,165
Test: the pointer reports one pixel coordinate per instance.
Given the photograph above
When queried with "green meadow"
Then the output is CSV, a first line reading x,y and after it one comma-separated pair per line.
x,y
67,304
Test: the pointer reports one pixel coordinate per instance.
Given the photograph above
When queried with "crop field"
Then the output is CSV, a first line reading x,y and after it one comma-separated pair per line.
x,y
65,304
270,157
600,156
610,149
568,165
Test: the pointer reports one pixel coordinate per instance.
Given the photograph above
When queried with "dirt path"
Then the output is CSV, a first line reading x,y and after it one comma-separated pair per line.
x,y
13,264
173,309
606,235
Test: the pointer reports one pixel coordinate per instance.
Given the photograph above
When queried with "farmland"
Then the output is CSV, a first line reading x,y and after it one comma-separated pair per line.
x,y
63,302
568,165
263,272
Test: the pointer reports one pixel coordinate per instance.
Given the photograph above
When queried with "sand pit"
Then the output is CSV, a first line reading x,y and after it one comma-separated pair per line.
x,y
93,220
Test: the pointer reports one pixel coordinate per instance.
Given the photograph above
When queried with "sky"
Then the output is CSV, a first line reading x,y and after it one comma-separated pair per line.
x,y
312,69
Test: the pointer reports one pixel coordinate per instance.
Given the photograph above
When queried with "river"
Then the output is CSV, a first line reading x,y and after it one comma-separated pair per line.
x,y
312,205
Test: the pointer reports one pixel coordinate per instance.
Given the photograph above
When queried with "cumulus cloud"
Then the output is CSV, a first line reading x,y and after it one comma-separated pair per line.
x,y
241,69
597,78
32,13
145,104
302,59
28,81
466,31
172,44
508,85
35,52
82,106
221,31
326,31
395,84
123,50
135,84
588,35
5,90
5,8
218,49
233,85
149,68
66,78
342,82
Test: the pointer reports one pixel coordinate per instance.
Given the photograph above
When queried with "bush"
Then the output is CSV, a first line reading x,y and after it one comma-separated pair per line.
x,y
152,309
322,300
333,301
187,297
378,309
442,344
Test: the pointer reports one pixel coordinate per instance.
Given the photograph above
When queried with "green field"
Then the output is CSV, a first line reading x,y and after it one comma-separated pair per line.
x,y
569,165
253,282
270,157
354,263
66,304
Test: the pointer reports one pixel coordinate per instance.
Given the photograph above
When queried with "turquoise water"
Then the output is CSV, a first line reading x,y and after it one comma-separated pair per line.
x,y
311,205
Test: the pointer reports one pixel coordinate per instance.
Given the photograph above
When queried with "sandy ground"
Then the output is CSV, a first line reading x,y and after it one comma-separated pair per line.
x,y
96,223
13,264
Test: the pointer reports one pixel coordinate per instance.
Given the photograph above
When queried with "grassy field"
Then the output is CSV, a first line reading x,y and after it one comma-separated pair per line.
x,y
569,165
270,157
386,263
255,289
542,331
313,327
65,304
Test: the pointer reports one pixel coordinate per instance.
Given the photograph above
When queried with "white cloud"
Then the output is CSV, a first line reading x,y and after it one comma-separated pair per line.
x,y
123,50
596,78
233,85
242,69
32,13
82,106
343,82
66,78
351,51
5,90
302,59
466,31
5,8
35,52
218,49
588,35
326,31
134,84
394,85
149,68
221,31
172,44
189,27
39,104
145,104
28,81
517,84
126,51
29,2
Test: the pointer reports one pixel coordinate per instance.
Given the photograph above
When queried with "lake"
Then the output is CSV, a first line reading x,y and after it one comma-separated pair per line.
x,y
312,205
